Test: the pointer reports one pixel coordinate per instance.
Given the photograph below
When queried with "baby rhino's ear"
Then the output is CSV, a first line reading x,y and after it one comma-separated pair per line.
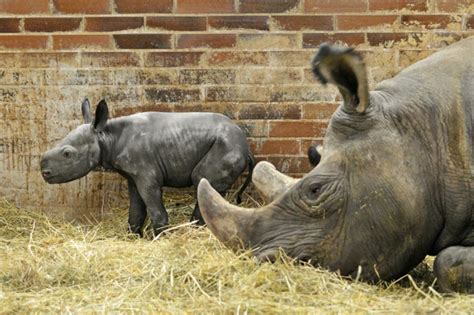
x,y
101,116
86,111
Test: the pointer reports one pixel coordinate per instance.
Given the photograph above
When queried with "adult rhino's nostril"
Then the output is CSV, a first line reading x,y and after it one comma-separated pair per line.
x,y
46,174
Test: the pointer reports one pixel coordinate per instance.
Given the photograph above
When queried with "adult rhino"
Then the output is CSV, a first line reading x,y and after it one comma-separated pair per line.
x,y
394,184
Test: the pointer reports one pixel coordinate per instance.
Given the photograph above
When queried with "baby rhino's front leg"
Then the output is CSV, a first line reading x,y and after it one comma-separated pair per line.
x,y
454,268
151,193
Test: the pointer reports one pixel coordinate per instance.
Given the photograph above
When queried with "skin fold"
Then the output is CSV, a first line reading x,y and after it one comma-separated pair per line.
x,y
394,184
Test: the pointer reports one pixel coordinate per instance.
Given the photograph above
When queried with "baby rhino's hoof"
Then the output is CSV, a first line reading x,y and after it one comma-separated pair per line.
x,y
454,268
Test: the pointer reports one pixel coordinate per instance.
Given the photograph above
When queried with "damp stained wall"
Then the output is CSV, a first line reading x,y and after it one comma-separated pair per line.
x,y
247,59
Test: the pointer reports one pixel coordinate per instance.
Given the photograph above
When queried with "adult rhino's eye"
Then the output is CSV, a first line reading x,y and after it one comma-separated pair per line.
x,y
314,190
67,154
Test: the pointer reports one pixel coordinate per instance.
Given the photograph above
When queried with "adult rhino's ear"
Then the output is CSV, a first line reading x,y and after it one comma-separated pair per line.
x,y
345,68
86,111
101,116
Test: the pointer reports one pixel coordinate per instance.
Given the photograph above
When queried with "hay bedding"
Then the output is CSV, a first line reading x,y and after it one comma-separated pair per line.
x,y
50,267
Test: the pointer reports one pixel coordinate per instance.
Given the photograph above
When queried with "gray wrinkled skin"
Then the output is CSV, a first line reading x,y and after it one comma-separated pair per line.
x,y
152,150
394,184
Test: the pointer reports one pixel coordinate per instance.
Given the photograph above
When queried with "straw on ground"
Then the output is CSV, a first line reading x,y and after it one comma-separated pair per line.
x,y
50,266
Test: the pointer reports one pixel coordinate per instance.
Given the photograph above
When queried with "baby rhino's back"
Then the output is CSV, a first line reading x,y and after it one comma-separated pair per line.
x,y
177,142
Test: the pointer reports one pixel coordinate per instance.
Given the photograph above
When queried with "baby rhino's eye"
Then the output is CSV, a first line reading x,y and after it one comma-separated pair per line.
x,y
67,153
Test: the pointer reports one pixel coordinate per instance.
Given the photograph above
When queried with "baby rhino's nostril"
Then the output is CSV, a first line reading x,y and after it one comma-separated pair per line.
x,y
45,173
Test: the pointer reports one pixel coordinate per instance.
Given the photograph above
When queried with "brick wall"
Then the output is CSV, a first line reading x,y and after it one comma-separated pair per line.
x,y
247,59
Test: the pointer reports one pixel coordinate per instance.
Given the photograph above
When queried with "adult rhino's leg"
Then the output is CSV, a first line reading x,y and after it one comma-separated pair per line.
x,y
221,166
137,210
151,193
270,182
454,268
196,216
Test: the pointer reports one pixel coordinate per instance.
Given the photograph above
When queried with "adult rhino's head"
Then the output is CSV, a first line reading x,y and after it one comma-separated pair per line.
x,y
79,152
361,209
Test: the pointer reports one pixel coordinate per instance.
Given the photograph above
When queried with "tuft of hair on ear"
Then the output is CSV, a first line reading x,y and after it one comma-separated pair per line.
x,y
345,68
333,57
101,116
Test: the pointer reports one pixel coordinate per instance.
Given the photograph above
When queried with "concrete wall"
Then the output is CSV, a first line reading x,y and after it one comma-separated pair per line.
x,y
247,59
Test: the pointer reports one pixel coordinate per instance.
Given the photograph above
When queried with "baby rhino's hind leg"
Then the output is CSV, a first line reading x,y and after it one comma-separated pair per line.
x,y
221,166
454,268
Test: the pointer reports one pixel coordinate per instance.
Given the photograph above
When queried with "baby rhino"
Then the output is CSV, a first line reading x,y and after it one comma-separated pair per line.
x,y
152,150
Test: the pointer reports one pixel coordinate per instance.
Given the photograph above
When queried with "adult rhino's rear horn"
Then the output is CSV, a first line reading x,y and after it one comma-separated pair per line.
x,y
345,68
270,182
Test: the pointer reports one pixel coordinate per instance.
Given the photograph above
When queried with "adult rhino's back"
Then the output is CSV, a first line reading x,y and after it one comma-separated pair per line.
x,y
439,87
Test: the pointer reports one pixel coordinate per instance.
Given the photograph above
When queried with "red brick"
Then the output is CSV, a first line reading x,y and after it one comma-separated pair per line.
x,y
304,22
83,6
270,76
273,111
291,129
206,40
149,76
205,6
453,5
109,59
408,57
278,146
24,7
267,6
48,60
23,42
82,41
239,22
375,39
237,58
52,24
301,93
290,165
239,93
270,41
173,59
207,76
354,22
326,6
470,22
254,128
319,110
172,95
144,6
388,5
8,25
143,41
299,58
311,40
115,23
428,21
177,23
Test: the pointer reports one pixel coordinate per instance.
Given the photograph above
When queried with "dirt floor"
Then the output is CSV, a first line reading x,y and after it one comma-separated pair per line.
x,y
49,267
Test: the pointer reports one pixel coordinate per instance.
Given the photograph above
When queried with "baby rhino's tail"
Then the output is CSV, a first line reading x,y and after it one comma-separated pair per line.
x,y
251,165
